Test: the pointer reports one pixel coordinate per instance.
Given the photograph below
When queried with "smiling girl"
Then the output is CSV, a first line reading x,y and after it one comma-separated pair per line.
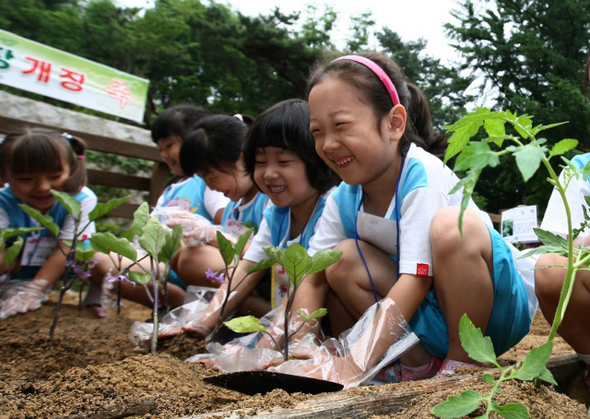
x,y
279,154
34,161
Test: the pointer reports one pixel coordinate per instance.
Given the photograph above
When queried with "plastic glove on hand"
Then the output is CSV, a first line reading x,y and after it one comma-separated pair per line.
x,y
28,298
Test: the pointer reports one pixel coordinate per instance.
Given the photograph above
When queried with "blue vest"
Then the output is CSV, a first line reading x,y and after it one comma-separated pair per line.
x,y
251,216
192,191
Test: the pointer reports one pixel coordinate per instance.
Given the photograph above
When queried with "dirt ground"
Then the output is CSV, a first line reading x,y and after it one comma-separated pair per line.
x,y
92,370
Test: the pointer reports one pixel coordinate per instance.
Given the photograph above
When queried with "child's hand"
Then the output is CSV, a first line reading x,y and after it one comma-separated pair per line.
x,y
28,298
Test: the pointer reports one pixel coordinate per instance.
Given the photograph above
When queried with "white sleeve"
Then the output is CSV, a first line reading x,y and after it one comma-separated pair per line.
x,y
255,253
4,220
214,201
87,205
329,229
555,218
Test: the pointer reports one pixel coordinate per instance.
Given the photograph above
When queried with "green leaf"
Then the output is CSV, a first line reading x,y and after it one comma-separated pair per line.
x,y
245,324
510,410
495,128
322,259
153,237
84,254
101,209
461,137
140,219
226,248
321,312
108,242
296,261
140,278
45,220
243,241
13,251
458,406
547,376
489,378
534,363
478,347
528,159
523,123
477,155
563,146
171,245
260,266
550,239
69,203
11,232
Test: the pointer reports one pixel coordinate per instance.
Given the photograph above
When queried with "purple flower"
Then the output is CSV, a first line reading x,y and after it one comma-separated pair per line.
x,y
121,278
220,279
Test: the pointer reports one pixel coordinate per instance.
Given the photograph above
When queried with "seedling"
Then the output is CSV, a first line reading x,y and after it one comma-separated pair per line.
x,y
74,209
474,156
12,251
298,264
160,245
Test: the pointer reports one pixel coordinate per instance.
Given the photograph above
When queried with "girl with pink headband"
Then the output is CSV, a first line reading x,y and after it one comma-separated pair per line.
x,y
396,222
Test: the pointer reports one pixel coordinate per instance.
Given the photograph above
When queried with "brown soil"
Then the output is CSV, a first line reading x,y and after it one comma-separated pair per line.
x,y
92,370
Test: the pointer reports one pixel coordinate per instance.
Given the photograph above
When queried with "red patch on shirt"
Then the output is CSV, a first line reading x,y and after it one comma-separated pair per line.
x,y
421,269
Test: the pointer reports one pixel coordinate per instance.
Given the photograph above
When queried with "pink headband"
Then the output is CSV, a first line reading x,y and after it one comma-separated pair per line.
x,y
378,72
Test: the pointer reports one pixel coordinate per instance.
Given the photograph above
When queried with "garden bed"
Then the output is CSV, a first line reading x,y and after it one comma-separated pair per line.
x,y
92,370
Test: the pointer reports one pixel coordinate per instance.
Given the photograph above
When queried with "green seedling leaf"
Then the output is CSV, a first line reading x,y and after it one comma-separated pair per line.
x,y
140,219
489,378
171,245
296,261
226,248
275,254
153,237
562,147
476,155
528,159
495,128
322,259
45,220
534,363
245,324
108,242
550,239
321,312
510,410
13,251
11,232
84,253
104,208
260,266
461,137
458,406
478,347
140,278
523,124
69,203
242,241
547,376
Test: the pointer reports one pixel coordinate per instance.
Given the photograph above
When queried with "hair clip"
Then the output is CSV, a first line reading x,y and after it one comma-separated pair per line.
x,y
81,156
239,117
67,137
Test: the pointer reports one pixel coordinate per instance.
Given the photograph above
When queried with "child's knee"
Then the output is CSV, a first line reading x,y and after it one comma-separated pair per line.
x,y
548,281
445,235
340,271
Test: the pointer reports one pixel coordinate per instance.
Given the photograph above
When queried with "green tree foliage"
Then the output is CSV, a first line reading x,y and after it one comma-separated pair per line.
x,y
530,57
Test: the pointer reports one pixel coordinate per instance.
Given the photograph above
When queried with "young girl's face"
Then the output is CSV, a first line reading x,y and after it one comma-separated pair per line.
x,y
233,182
281,175
33,188
169,149
346,132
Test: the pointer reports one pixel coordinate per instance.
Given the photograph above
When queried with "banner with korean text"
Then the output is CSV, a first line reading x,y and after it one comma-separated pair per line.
x,y
47,71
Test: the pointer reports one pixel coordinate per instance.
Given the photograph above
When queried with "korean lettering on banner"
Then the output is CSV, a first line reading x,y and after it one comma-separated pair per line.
x,y
72,80
5,55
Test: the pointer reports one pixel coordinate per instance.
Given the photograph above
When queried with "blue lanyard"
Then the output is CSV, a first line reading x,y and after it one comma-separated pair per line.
x,y
397,219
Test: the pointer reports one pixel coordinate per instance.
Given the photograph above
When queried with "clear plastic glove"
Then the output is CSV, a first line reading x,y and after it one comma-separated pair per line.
x,y
27,297
196,229
234,356
379,337
202,325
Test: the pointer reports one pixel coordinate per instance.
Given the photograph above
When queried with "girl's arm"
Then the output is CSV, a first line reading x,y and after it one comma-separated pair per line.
x,y
54,267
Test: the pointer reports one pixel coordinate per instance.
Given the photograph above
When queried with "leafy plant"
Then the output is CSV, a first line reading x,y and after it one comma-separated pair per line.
x,y
13,250
297,264
160,245
77,251
474,156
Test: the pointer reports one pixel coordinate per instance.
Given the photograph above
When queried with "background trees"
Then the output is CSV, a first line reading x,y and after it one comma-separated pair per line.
x,y
522,55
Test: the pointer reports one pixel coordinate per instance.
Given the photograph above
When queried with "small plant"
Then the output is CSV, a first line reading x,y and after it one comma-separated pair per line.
x,y
298,264
473,157
12,251
160,245
77,252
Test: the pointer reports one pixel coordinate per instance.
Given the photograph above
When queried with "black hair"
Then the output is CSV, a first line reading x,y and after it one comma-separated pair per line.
x,y
286,125
41,150
419,126
178,120
216,143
